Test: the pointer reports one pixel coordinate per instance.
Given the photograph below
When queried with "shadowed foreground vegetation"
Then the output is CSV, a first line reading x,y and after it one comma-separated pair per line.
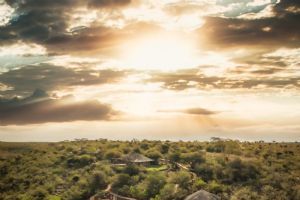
x,y
76,170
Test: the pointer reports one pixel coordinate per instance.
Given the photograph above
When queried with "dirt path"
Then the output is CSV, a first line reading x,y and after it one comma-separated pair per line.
x,y
108,188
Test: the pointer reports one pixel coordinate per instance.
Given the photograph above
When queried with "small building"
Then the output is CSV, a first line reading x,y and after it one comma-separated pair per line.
x,y
202,195
136,158
110,196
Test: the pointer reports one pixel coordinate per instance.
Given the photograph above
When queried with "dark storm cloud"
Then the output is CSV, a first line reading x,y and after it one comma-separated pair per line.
x,y
281,30
64,4
84,41
46,23
287,6
183,80
224,32
95,40
110,3
192,111
36,21
42,4
39,108
51,77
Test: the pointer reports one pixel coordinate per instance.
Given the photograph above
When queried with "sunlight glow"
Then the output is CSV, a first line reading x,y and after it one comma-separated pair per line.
x,y
163,52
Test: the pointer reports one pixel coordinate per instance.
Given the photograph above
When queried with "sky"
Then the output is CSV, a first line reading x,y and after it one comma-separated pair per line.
x,y
149,69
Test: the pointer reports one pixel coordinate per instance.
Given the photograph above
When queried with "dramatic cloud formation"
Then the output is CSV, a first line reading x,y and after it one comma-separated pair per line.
x,y
212,66
24,80
49,23
280,30
53,24
39,108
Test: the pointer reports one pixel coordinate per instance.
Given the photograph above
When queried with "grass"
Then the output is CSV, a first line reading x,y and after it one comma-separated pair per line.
x,y
156,168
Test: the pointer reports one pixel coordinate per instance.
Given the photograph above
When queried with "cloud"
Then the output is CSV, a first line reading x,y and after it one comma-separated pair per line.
x,y
50,77
22,49
280,30
199,111
40,108
36,21
64,4
280,62
259,71
108,3
55,31
98,39
191,111
181,80
201,7
53,24
48,23
6,11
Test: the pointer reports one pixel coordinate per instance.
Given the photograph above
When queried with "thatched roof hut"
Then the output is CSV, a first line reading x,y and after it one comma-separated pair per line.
x,y
202,195
136,158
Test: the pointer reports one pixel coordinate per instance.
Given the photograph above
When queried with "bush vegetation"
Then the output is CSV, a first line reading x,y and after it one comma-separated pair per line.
x,y
76,170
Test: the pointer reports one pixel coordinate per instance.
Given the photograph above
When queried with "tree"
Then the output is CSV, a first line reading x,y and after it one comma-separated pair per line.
x,y
112,154
218,147
175,156
97,181
182,178
80,161
232,147
153,184
241,172
155,156
164,148
168,192
132,170
121,180
193,158
204,171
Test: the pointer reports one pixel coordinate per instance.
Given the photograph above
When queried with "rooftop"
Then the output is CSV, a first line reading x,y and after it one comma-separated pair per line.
x,y
136,158
202,195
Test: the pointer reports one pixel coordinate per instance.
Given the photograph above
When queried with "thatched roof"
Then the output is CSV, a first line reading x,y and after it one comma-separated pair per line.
x,y
202,195
136,158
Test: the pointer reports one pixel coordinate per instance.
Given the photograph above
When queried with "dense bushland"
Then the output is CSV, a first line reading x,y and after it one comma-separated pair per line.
x,y
76,170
